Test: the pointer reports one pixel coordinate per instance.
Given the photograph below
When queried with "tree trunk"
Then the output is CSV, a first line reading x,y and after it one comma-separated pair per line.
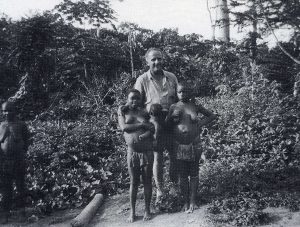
x,y
254,34
85,71
223,31
98,32
130,39
212,21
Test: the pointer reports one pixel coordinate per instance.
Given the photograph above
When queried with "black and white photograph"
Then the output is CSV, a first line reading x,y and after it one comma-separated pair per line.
x,y
155,113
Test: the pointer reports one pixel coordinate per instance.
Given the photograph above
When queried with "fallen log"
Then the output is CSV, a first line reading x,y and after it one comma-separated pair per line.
x,y
88,212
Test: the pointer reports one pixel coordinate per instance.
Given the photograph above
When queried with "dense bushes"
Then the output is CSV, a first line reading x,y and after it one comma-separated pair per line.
x,y
250,150
77,149
71,160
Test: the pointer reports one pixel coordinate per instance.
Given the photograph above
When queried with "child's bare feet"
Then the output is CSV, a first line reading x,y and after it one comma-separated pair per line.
x,y
147,216
131,218
192,208
185,207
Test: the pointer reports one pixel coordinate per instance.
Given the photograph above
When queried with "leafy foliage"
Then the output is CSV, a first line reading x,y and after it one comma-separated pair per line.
x,y
250,150
70,161
76,80
96,12
239,210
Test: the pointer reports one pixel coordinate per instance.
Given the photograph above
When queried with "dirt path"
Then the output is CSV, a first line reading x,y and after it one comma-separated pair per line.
x,y
115,211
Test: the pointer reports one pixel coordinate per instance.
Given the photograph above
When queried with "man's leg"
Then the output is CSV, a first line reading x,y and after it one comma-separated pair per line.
x,y
173,171
158,173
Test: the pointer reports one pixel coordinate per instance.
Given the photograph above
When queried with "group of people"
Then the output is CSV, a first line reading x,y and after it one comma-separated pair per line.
x,y
161,114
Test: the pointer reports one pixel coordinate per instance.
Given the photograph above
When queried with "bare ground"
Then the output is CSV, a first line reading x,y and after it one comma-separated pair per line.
x,y
115,211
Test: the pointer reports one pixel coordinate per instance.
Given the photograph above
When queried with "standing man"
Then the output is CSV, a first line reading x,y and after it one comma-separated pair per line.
x,y
159,86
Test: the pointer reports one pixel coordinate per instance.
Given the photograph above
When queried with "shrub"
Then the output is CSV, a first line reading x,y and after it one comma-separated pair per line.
x,y
70,161
251,149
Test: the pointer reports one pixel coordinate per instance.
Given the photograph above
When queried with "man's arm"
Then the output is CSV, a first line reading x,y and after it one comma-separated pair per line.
x,y
140,87
175,85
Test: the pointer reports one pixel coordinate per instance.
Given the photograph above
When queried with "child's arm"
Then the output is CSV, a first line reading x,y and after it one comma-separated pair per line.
x,y
148,133
171,117
157,130
210,116
145,135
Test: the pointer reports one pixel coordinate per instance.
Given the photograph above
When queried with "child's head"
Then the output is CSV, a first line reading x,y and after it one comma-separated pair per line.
x,y
156,110
183,92
134,98
9,110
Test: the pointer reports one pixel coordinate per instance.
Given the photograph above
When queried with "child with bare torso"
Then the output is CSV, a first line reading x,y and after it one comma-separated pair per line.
x,y
157,118
185,126
14,138
138,134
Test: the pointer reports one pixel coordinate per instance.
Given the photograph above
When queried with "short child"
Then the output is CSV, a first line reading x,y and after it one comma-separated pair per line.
x,y
157,118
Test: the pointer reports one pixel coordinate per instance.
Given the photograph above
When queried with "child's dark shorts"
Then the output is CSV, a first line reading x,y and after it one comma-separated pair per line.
x,y
139,159
188,157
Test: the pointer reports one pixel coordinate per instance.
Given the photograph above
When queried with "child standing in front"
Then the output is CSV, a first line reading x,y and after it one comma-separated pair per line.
x,y
14,136
157,118
138,134
185,126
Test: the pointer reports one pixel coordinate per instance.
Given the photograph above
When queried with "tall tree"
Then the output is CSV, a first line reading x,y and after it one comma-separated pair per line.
x,y
94,12
247,14
269,15
223,21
